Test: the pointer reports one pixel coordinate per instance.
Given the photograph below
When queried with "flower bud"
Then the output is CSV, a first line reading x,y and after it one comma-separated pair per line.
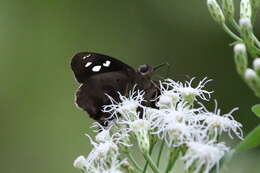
x,y
143,140
245,9
168,100
216,11
245,23
140,128
256,65
240,58
253,80
126,166
247,30
228,8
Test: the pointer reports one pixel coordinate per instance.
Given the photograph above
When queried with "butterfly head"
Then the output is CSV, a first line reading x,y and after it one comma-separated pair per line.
x,y
145,70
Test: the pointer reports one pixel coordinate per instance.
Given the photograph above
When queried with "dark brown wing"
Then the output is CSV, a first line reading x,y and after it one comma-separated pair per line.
x,y
91,95
87,64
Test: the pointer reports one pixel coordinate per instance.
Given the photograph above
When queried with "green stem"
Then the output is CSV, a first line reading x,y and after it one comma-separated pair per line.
x,y
150,153
235,25
151,163
256,41
229,32
136,165
160,153
172,159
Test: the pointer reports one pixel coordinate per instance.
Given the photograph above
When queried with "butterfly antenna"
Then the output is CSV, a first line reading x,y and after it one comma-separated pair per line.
x,y
161,65
159,76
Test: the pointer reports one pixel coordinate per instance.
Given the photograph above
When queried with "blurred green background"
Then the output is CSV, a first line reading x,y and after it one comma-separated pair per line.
x,y
41,130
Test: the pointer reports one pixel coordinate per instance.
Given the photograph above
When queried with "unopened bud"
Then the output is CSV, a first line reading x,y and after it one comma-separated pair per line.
x,y
245,23
247,30
140,128
253,80
143,140
245,9
240,58
256,65
127,166
228,8
216,11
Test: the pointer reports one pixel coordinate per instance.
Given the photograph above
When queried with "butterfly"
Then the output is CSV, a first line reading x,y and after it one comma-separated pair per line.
x,y
101,75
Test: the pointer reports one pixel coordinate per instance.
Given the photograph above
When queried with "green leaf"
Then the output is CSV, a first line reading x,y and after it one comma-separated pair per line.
x,y
252,140
256,109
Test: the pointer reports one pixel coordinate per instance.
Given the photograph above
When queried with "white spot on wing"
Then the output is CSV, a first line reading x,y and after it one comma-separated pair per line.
x,y
88,64
107,64
96,68
87,56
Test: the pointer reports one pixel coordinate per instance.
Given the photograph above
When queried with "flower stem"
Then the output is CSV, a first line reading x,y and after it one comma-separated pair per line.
x,y
134,162
150,153
235,25
172,159
229,32
151,163
160,153
256,41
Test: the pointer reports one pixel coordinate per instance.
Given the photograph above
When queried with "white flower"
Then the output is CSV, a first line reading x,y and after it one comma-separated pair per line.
x,y
177,125
182,113
204,155
175,133
126,105
140,124
102,151
133,122
222,123
113,167
189,93
80,162
168,98
103,135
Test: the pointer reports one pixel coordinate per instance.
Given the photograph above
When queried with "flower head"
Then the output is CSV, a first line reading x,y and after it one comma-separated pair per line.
x,y
175,133
206,154
102,151
189,93
127,104
177,125
80,162
222,123
169,97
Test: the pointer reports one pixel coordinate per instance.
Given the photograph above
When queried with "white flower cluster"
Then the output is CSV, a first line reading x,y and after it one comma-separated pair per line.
x,y
181,121
104,158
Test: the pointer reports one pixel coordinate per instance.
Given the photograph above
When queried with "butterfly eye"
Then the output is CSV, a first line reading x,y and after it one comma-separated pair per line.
x,y
143,68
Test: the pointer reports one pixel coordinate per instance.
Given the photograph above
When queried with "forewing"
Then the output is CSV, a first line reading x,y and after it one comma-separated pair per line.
x,y
87,64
